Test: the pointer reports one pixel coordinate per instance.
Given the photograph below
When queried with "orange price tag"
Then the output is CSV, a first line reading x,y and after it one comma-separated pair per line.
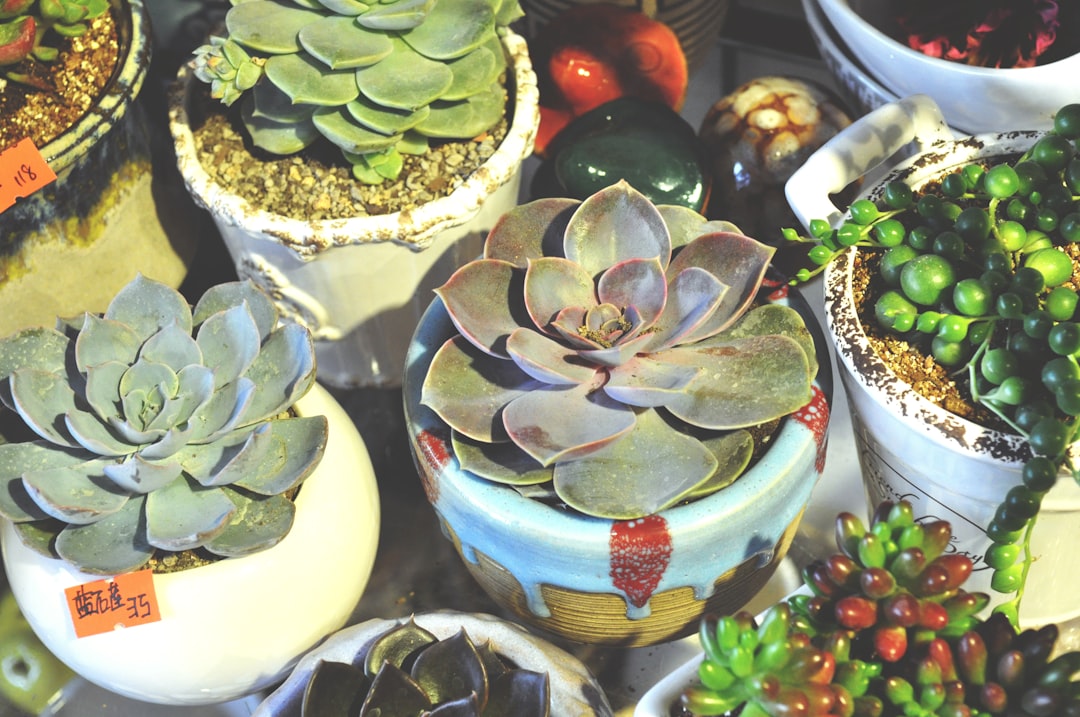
x,y
23,171
104,605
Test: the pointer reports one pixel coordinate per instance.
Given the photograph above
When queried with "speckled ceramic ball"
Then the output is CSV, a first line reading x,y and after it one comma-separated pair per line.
x,y
756,137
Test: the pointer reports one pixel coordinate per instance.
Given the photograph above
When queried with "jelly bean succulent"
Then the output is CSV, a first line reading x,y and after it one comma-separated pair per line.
x,y
883,628
375,79
26,25
408,670
609,348
156,427
978,272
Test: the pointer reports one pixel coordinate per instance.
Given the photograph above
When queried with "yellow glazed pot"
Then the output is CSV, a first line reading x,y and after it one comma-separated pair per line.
x,y
71,245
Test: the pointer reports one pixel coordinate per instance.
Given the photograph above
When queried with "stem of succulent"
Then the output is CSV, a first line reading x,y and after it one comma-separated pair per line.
x,y
976,272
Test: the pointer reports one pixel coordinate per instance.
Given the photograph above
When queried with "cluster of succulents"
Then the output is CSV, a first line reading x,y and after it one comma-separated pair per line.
x,y
977,271
376,79
885,630
408,670
158,427
25,25
600,339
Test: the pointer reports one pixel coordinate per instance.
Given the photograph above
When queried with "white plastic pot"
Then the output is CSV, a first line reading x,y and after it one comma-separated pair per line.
x,y
360,284
909,448
236,626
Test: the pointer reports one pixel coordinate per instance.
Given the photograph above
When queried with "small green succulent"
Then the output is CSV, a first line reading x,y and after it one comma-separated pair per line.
x,y
158,427
887,630
376,79
408,670
25,25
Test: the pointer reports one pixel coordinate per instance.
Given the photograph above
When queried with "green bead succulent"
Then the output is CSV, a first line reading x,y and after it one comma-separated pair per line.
x,y
885,629
408,670
26,25
158,427
376,79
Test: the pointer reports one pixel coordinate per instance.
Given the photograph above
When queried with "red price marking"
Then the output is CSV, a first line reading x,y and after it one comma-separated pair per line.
x,y
105,605
23,171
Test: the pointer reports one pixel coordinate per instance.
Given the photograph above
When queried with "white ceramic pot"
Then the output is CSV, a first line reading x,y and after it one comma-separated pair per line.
x,y
623,583
574,691
909,448
106,213
236,626
360,284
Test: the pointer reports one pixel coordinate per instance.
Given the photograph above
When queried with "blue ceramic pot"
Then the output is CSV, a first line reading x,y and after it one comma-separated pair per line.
x,y
632,582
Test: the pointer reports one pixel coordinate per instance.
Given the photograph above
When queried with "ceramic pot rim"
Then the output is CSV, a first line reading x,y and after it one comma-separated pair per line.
x,y
854,349
416,227
119,93
528,651
766,477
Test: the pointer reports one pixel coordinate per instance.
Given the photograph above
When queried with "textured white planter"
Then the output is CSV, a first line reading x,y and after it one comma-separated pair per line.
x,y
574,691
909,448
239,625
360,284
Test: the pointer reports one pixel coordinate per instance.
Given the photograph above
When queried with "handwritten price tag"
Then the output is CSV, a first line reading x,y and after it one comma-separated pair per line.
x,y
23,171
105,605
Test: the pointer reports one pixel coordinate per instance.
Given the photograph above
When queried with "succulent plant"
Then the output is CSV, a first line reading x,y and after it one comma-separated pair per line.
x,y
158,427
408,670
376,79
26,24
606,346
886,631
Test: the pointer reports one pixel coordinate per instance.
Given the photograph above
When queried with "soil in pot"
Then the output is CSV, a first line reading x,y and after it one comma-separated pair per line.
x,y
316,184
63,90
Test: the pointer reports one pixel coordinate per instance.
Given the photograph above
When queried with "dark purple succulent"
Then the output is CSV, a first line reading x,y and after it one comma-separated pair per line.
x,y
609,345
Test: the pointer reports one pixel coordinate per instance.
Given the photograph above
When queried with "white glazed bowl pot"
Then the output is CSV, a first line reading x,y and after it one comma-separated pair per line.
x,y
236,626
973,99
910,448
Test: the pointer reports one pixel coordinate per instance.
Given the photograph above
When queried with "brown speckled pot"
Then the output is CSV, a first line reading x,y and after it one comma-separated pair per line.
x,y
360,284
909,448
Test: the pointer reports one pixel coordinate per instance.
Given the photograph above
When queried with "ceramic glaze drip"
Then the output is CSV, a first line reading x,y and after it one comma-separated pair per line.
x,y
640,553
815,416
437,454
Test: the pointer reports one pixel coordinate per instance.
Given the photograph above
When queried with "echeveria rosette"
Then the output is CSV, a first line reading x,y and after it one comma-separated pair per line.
x,y
606,346
159,427
376,79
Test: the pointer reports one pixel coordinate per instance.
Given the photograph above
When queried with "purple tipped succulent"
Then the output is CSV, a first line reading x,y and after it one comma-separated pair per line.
x,y
609,346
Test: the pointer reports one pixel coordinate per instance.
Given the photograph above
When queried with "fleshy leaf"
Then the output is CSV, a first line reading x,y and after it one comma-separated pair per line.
x,y
530,231
339,126
477,297
613,225
102,340
77,494
334,688
639,283
233,293
342,44
777,319
268,104
684,224
652,469
184,515
135,474
260,522
509,691
470,117
554,424
290,346
451,669
547,360
305,79
752,380
694,297
172,347
452,29
285,137
147,306
737,261
384,120
500,462
296,447
469,389
474,72
269,26
36,347
110,546
229,341
17,459
397,645
404,79
733,451
646,382
42,399
552,284
399,15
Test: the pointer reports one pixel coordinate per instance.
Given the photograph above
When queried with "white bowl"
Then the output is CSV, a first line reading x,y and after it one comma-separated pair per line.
x,y
861,90
973,99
